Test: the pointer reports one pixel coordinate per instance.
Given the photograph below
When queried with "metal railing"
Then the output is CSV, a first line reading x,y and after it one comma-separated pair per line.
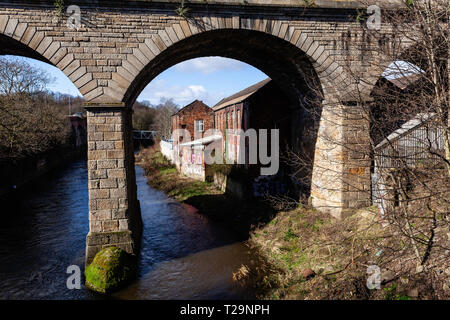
x,y
143,135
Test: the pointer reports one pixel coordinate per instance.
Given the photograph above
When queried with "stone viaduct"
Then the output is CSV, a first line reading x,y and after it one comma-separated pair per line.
x,y
122,45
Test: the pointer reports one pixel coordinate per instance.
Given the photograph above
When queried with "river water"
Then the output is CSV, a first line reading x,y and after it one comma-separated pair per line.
x,y
184,255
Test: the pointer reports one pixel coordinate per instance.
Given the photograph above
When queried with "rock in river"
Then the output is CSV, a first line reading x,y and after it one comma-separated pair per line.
x,y
111,269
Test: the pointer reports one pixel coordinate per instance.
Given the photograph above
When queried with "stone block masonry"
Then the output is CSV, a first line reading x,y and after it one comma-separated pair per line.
x,y
121,47
114,211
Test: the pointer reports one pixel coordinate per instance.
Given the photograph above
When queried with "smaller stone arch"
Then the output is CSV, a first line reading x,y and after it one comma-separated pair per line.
x,y
21,38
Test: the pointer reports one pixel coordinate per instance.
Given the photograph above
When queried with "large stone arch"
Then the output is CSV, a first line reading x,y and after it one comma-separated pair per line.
x,y
114,214
227,36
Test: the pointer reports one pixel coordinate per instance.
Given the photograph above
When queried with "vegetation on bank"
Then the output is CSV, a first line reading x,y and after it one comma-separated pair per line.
x,y
32,120
241,215
162,175
310,255
306,254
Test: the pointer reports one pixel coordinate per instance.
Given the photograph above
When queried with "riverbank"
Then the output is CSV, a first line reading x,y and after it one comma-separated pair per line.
x,y
240,214
317,257
306,254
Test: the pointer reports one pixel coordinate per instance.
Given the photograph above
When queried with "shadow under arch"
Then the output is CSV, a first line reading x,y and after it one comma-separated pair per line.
x,y
290,68
10,46
282,61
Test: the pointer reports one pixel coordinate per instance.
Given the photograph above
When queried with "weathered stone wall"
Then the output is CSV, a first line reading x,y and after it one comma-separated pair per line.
x,y
114,214
341,172
106,55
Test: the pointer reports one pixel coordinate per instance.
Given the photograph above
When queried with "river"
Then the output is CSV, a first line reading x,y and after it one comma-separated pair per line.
x,y
184,255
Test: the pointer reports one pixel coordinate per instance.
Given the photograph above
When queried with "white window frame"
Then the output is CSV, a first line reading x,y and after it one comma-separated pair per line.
x,y
198,124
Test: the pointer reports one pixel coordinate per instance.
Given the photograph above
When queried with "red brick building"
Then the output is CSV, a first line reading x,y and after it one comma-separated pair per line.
x,y
196,118
260,106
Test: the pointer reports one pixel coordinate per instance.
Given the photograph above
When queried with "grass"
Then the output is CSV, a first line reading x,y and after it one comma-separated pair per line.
x,y
164,176
241,215
285,244
337,251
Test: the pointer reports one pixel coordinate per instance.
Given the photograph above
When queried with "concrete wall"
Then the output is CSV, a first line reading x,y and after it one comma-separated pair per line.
x,y
192,162
167,150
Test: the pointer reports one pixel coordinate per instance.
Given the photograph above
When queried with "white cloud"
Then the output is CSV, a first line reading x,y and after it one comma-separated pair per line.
x,y
208,65
159,90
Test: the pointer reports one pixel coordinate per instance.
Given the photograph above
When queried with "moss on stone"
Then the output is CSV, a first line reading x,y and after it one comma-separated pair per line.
x,y
111,268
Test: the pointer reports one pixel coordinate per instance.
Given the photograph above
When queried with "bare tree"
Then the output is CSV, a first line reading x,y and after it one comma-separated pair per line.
x,y
397,128
18,76
163,119
31,121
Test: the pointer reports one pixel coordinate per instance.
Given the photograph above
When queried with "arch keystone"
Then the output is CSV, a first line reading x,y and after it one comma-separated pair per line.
x,y
236,22
214,23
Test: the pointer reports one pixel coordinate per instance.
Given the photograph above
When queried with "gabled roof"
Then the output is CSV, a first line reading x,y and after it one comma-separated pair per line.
x,y
241,95
192,104
417,121
406,81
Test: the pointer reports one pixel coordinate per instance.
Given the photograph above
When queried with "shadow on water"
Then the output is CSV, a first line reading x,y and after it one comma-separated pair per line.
x,y
184,255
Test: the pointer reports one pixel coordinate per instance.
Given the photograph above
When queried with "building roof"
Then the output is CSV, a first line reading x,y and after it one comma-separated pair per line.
x,y
241,95
192,104
417,121
406,81
203,141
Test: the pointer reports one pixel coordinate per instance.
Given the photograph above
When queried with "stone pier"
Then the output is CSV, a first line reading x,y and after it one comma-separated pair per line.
x,y
341,172
114,211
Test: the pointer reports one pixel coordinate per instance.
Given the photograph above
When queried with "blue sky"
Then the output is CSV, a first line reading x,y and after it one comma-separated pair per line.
x,y
208,79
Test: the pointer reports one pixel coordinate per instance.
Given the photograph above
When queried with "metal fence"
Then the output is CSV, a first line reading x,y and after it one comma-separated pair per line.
x,y
143,135
418,142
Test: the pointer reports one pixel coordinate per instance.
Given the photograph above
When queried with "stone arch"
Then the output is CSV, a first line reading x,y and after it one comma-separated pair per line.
x,y
187,39
20,38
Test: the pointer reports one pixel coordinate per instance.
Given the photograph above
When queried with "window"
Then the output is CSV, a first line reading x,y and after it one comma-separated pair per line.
x,y
234,119
199,125
238,125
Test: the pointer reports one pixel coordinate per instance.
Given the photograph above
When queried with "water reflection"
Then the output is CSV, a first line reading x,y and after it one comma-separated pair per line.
x,y
184,255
